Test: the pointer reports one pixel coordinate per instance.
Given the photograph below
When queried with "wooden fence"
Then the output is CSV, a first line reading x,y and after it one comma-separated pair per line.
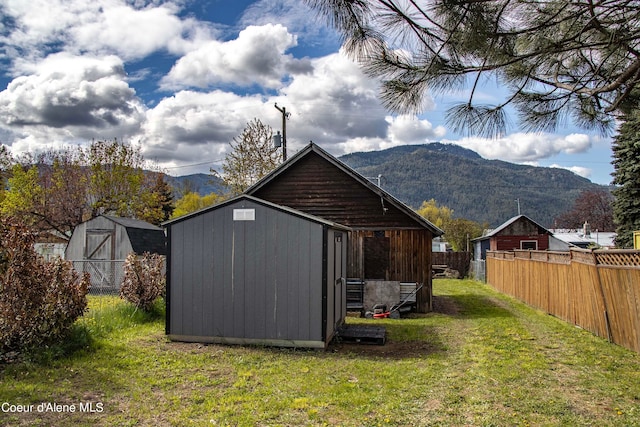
x,y
596,290
457,260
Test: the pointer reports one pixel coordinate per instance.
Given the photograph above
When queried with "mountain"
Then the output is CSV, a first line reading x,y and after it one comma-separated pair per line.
x,y
200,183
485,191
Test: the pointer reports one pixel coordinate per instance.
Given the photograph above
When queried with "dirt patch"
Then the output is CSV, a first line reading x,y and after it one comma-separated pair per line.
x,y
445,305
390,350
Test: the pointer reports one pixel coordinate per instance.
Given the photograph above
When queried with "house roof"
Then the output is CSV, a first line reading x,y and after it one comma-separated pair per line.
x,y
506,224
577,238
368,185
266,203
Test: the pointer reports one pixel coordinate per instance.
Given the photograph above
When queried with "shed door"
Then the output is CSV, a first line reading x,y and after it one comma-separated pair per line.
x,y
99,253
339,279
99,245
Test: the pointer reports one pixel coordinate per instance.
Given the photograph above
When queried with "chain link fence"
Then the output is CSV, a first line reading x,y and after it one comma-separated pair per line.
x,y
106,276
478,270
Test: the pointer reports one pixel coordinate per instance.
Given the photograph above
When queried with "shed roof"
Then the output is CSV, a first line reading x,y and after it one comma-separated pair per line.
x,y
368,186
132,222
260,202
507,223
143,236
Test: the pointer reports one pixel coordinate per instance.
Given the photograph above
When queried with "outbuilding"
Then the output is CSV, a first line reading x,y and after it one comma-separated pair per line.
x,y
247,271
389,243
100,245
519,232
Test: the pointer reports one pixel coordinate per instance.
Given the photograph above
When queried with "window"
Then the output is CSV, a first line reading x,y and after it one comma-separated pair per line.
x,y
529,245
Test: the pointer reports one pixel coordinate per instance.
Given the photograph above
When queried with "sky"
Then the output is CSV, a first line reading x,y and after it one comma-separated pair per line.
x,y
182,78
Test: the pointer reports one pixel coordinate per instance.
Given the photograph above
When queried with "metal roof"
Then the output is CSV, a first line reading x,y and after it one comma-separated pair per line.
x,y
260,202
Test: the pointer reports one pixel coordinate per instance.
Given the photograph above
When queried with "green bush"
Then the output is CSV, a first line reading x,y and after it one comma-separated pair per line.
x,y
144,280
39,300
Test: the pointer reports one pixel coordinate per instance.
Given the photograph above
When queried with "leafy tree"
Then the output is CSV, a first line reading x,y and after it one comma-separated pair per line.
x,y
192,202
459,232
592,206
157,205
24,193
64,179
556,59
252,157
117,178
5,166
626,175
60,189
437,215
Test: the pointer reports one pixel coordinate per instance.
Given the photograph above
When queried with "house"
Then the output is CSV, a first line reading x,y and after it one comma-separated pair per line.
x,y
584,238
247,271
100,246
388,242
519,232
51,244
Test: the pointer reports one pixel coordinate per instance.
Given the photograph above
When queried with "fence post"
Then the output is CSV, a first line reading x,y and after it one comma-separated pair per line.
x,y
604,301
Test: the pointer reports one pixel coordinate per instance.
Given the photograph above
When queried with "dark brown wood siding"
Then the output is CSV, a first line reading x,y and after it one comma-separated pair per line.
x,y
409,259
317,187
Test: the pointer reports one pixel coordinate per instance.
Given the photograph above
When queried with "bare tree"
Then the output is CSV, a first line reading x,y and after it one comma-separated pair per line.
x,y
252,157
592,206
558,59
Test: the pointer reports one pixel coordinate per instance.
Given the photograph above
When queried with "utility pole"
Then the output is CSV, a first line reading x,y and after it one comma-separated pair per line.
x,y
285,116
518,200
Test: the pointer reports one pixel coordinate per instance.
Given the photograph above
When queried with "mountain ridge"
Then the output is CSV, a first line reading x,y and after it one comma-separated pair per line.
x,y
486,191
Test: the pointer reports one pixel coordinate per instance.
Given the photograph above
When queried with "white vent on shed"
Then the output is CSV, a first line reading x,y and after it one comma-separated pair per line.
x,y
244,214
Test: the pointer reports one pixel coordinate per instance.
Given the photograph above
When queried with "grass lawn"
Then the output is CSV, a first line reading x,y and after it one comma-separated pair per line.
x,y
481,359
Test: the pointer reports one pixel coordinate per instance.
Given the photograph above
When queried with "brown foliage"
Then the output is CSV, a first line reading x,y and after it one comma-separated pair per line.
x,y
144,280
39,300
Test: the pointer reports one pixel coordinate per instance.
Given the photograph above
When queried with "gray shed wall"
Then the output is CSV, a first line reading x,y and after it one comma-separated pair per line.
x,y
248,281
92,232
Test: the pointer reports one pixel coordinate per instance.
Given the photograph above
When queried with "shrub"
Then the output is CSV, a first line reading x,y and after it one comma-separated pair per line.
x,y
39,300
144,280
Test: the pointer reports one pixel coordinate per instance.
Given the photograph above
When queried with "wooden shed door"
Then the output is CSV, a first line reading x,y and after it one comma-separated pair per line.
x,y
376,256
99,245
99,253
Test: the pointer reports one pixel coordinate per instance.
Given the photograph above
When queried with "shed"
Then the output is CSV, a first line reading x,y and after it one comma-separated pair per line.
x,y
519,232
100,246
388,241
247,271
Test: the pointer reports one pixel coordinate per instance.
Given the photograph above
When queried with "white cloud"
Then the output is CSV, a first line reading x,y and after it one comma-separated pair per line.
x,y
411,130
334,103
256,57
578,170
105,27
523,147
294,15
73,97
191,127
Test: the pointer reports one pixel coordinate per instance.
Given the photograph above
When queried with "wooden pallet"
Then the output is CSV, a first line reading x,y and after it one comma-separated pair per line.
x,y
363,334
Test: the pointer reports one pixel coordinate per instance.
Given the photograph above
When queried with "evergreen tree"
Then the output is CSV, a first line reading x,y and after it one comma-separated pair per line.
x,y
556,60
626,161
